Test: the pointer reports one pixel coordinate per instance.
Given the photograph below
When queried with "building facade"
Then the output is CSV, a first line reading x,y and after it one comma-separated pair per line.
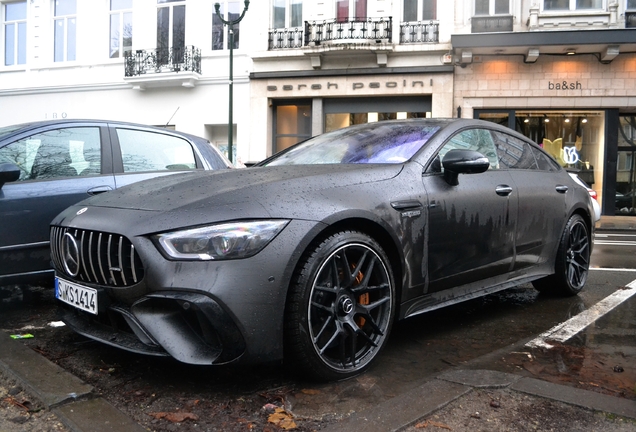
x,y
562,72
158,62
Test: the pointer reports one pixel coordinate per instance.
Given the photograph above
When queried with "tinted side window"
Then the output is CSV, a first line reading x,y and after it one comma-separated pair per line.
x,y
151,151
514,153
66,152
472,139
545,162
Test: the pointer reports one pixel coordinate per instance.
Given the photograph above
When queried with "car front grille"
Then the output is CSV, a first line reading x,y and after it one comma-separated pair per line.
x,y
95,257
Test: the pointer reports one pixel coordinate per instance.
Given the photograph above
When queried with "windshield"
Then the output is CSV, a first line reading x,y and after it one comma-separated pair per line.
x,y
383,143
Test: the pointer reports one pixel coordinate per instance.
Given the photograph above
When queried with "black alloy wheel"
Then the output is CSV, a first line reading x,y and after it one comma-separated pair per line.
x,y
572,261
340,308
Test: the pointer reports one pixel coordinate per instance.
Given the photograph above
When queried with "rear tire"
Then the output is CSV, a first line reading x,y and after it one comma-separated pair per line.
x,y
572,261
340,307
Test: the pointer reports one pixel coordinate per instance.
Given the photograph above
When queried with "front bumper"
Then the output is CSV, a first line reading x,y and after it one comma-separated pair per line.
x,y
199,312
178,324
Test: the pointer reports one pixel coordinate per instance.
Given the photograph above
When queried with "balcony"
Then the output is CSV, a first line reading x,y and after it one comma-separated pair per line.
x,y
163,67
359,30
490,24
630,19
419,32
285,38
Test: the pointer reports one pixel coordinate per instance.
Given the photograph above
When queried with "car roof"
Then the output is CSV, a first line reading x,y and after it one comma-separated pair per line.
x,y
21,127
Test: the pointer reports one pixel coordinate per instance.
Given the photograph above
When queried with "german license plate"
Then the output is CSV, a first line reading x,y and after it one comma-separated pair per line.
x,y
81,297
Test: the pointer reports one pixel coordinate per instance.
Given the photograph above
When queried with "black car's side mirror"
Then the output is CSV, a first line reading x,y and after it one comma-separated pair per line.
x,y
458,161
8,173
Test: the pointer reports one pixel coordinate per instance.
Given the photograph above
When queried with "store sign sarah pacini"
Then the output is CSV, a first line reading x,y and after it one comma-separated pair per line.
x,y
354,86
565,85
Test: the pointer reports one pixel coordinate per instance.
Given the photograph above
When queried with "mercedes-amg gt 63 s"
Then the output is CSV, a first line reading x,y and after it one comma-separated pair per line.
x,y
310,256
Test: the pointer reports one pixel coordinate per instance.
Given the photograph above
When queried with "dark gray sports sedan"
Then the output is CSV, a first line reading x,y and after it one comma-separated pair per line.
x,y
313,254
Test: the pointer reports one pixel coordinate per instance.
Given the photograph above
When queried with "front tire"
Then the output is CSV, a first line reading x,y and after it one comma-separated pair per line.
x,y
340,307
572,261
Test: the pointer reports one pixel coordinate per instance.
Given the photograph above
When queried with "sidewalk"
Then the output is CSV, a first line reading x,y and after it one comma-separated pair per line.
x,y
77,406
619,223
71,400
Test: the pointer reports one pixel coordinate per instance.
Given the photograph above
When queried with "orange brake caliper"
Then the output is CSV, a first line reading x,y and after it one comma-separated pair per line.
x,y
363,299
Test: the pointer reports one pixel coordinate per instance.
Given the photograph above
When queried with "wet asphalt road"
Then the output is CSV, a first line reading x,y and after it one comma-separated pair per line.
x,y
482,330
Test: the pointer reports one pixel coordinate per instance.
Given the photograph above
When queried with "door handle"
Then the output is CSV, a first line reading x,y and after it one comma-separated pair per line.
x,y
561,188
503,190
99,189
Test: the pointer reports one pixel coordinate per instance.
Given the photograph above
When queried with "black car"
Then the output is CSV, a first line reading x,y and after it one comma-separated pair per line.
x,y
48,165
311,255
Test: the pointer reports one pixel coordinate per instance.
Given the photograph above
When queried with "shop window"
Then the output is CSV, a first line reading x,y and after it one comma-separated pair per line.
x,y
573,5
420,10
14,30
292,124
574,139
625,200
287,13
120,27
65,30
335,121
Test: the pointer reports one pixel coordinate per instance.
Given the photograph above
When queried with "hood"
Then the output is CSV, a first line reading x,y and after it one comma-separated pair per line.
x,y
263,185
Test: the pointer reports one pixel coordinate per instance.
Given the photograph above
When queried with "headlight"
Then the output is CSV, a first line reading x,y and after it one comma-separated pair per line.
x,y
223,241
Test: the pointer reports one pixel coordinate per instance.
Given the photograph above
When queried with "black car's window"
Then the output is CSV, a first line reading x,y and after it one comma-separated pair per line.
x,y
383,144
151,151
514,153
65,152
478,140
545,162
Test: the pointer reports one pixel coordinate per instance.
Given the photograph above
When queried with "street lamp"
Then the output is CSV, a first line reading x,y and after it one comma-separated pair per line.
x,y
230,24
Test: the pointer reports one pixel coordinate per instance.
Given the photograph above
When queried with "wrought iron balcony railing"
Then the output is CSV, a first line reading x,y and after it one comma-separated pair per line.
x,y
419,32
160,60
285,38
356,30
495,23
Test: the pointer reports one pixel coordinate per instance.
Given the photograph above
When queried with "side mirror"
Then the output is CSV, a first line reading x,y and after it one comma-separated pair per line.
x,y
8,173
458,161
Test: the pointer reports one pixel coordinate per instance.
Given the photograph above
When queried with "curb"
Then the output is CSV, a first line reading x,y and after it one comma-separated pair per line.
x,y
80,409
408,408
69,398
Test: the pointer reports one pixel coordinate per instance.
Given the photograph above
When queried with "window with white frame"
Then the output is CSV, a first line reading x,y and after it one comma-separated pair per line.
x,y
230,10
631,4
171,25
287,13
561,5
420,10
492,7
121,29
351,10
14,16
65,33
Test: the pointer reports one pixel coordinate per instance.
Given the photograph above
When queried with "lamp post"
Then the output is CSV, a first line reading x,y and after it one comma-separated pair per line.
x,y
230,24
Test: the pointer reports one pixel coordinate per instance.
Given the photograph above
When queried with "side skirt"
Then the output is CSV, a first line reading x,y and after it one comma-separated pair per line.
x,y
460,294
